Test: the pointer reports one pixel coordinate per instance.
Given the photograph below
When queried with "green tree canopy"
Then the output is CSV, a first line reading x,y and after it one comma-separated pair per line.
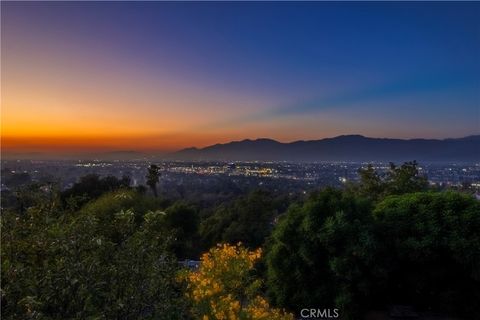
x,y
419,249
428,251
301,269
108,261
248,219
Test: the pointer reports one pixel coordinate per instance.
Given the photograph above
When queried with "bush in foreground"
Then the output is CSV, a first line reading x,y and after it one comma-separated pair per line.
x,y
224,288
95,264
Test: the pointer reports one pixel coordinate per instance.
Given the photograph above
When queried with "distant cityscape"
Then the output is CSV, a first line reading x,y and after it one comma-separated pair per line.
x,y
295,176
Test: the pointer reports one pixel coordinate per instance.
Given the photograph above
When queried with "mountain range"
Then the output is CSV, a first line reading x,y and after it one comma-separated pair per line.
x,y
341,148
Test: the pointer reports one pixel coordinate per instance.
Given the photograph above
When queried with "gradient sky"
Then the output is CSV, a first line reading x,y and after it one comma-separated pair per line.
x,y
101,76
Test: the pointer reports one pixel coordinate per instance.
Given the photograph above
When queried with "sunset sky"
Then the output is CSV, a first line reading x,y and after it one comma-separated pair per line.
x,y
151,76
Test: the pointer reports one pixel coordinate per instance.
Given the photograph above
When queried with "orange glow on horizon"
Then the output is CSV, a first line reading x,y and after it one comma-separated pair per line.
x,y
85,143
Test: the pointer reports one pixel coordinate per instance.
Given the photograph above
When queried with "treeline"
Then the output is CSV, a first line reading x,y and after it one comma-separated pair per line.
x,y
105,250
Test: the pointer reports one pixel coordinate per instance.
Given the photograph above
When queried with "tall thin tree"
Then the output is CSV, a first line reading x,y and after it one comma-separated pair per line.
x,y
153,177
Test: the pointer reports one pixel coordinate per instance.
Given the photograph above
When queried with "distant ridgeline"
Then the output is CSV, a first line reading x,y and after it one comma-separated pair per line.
x,y
341,148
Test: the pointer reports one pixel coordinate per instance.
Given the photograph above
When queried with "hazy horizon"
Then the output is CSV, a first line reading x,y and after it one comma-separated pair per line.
x,y
119,154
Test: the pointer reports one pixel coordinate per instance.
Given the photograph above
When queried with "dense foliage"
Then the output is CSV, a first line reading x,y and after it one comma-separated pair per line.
x,y
249,220
182,220
102,249
305,248
90,187
428,251
420,249
107,261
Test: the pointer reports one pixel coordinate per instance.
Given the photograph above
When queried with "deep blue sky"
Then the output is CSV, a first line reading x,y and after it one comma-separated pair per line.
x,y
243,70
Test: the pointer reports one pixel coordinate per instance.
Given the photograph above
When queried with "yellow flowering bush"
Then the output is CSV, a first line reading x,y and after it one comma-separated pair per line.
x,y
223,288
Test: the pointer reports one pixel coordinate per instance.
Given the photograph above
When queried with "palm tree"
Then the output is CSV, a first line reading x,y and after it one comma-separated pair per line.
x,y
153,176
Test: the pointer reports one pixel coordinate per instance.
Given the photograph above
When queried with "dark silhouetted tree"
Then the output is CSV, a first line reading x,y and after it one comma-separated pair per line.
x,y
153,176
397,180
371,184
405,179
182,220
91,187
249,220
